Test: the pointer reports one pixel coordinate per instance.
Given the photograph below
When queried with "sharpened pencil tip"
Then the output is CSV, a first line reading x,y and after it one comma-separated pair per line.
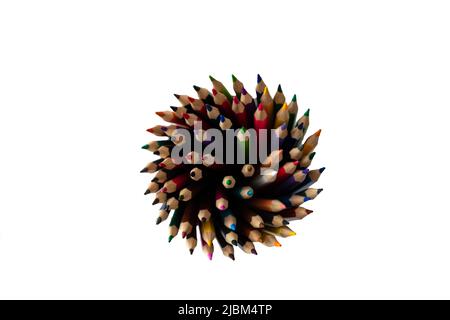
x,y
322,169
231,256
294,98
307,113
158,221
234,243
170,238
318,133
183,234
233,77
212,78
292,233
319,190
258,78
277,244
191,251
233,227
279,88
254,252
196,88
143,170
173,108
309,211
147,192
176,95
155,201
145,146
266,90
285,222
210,255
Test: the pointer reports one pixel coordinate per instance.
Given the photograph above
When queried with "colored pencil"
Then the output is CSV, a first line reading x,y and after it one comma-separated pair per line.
x,y
283,231
220,87
174,224
282,116
221,200
246,245
204,94
261,118
267,103
152,167
239,112
250,106
163,213
237,86
247,170
278,99
152,187
269,240
188,219
229,219
259,88
196,174
295,213
292,110
272,205
154,145
227,249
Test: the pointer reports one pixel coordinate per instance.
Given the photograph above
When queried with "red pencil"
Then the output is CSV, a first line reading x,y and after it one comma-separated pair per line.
x,y
239,112
170,116
261,120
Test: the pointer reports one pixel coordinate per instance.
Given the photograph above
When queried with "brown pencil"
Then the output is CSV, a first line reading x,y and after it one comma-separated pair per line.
x,y
271,205
295,213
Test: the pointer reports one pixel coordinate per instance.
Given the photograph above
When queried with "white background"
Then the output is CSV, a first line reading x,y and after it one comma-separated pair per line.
x,y
80,80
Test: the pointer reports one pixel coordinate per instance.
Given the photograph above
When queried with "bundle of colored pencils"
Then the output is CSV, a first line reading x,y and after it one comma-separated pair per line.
x,y
235,204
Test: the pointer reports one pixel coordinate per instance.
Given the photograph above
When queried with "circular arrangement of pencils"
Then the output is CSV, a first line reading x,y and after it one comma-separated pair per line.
x,y
237,204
